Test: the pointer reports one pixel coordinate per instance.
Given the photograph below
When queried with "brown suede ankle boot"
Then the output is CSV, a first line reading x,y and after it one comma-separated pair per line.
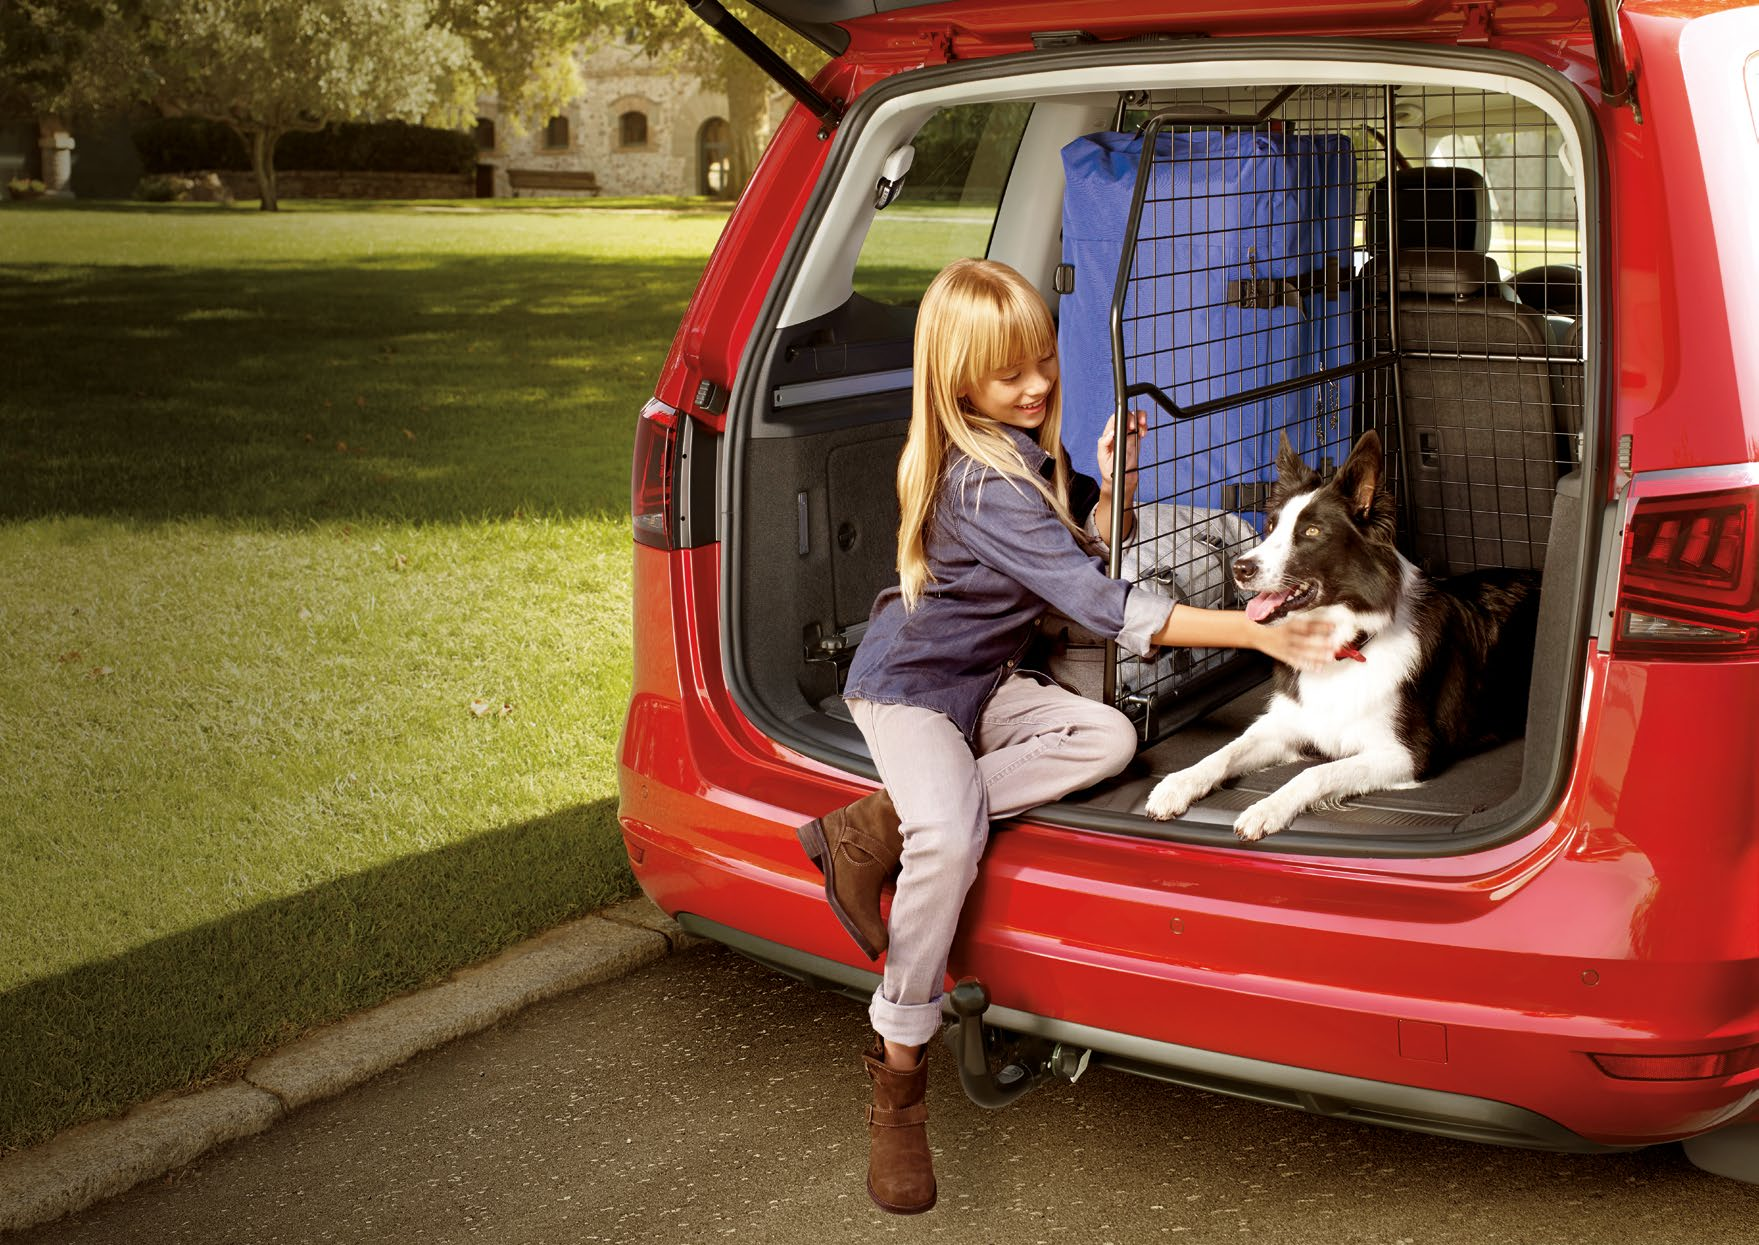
x,y
857,848
900,1169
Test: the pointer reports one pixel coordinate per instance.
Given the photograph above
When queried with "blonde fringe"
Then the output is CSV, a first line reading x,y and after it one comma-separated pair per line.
x,y
976,316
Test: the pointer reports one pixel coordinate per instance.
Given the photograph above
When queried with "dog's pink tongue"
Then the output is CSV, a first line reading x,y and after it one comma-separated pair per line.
x,y
1261,606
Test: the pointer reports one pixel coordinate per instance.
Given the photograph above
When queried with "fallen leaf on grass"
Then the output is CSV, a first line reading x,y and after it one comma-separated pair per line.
x,y
399,562
480,708
408,435
71,654
99,672
341,447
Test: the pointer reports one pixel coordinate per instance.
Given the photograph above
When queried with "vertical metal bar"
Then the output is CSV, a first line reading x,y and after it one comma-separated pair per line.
x,y
1126,264
1407,482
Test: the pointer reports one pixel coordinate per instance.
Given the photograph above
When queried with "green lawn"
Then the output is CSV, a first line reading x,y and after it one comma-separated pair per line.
x,y
315,526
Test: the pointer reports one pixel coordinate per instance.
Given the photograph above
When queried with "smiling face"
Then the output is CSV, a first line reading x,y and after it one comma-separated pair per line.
x,y
1017,393
1325,543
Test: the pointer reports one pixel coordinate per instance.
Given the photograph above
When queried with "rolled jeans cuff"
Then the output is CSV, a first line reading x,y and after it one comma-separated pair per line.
x,y
908,1024
1145,613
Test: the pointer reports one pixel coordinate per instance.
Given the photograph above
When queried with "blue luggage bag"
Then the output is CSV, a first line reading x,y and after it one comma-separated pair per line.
x,y
1231,291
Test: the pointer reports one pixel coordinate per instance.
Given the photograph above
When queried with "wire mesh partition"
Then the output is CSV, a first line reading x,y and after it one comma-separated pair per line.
x,y
1266,232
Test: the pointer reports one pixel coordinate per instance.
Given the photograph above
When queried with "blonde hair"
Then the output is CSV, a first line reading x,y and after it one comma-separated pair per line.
x,y
977,316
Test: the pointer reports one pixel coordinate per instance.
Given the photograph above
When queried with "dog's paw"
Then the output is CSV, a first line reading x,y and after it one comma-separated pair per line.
x,y
1261,819
1177,792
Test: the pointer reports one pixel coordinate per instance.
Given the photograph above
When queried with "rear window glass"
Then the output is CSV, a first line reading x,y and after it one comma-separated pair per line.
x,y
1531,192
948,205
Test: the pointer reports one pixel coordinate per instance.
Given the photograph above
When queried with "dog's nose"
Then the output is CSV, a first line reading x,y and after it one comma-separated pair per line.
x,y
1244,570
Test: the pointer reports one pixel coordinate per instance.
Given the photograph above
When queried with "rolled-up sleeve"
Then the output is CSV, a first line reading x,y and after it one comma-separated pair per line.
x,y
1145,613
1006,525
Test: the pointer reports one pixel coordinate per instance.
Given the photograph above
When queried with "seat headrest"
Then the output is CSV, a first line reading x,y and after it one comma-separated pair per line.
x,y
1443,274
1555,289
1440,208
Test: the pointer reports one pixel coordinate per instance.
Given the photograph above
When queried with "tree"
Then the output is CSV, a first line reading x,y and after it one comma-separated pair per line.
x,y
269,67
667,31
40,42
527,52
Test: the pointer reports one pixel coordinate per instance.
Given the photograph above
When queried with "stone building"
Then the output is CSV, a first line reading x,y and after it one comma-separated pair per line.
x,y
638,129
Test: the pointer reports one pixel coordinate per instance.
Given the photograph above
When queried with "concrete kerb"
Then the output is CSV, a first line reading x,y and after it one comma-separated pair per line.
x,y
94,1161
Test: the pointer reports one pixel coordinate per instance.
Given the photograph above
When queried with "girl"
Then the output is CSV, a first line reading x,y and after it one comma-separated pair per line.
x,y
959,733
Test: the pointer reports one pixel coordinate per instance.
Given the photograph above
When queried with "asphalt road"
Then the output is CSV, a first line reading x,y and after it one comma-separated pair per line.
x,y
707,1099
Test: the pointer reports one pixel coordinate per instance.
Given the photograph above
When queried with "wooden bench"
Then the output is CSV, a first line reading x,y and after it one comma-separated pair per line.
x,y
552,179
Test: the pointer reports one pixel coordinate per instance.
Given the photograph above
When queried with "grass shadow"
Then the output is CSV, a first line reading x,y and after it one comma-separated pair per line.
x,y
416,387
197,1005
704,204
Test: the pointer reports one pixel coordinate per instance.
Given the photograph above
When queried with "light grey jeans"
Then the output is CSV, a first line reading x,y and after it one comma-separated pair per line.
x,y
1035,743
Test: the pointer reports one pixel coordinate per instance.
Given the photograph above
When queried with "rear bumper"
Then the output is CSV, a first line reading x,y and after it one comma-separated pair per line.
x,y
1459,1007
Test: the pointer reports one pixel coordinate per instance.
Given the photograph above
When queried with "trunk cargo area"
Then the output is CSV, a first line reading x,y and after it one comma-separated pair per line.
x,y
1302,259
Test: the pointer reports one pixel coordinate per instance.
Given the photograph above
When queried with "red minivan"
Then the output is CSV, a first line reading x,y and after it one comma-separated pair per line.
x,y
1525,249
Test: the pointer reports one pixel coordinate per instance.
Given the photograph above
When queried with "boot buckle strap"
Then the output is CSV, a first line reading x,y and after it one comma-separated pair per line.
x,y
898,1117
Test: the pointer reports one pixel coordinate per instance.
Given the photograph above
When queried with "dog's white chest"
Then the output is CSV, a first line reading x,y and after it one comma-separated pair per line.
x,y
1352,706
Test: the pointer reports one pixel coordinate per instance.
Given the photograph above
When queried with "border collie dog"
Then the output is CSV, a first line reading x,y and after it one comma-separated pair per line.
x,y
1427,670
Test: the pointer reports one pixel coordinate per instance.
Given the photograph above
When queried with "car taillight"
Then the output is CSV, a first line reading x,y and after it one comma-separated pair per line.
x,y
653,499
1699,1067
1689,584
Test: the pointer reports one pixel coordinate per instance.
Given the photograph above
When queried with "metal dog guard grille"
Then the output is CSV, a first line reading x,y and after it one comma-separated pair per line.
x,y
1267,233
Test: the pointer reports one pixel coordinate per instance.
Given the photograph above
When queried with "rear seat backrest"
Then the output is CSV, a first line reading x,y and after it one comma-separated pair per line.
x,y
1478,430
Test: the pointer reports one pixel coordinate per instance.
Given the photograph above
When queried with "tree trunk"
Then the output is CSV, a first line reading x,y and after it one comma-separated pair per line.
x,y
262,162
749,91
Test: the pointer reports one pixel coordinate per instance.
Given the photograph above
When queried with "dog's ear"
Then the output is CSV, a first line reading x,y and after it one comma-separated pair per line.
x,y
1359,478
1288,463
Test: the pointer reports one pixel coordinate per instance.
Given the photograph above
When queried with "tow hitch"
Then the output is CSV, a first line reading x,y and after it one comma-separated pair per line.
x,y
1021,1063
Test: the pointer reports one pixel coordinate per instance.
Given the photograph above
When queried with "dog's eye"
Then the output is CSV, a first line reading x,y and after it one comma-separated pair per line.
x,y
1312,529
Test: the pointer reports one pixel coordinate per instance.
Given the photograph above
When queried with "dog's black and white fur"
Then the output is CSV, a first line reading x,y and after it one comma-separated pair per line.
x,y
1428,670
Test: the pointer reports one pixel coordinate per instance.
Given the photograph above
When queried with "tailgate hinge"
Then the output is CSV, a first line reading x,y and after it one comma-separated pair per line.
x,y
1476,15
940,42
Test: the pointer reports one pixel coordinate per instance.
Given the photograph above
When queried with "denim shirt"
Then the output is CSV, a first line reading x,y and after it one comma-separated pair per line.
x,y
997,556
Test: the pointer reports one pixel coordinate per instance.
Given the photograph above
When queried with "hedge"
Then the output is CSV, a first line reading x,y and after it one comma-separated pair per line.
x,y
188,144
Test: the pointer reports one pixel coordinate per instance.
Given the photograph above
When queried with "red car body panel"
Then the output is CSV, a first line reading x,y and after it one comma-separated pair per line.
x,y
1626,923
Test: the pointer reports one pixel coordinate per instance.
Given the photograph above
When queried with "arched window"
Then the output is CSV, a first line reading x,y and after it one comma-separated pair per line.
x,y
714,170
485,134
632,129
556,133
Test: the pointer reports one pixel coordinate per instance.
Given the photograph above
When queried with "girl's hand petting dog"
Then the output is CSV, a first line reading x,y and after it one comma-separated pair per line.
x,y
1303,643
